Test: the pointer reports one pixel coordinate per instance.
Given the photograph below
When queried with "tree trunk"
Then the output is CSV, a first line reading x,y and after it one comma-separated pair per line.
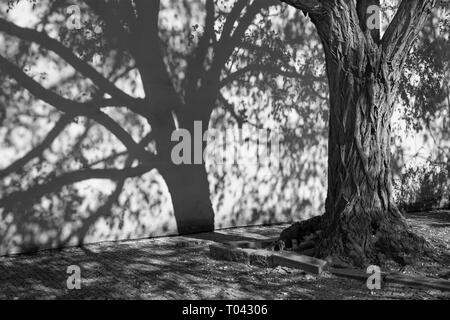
x,y
189,188
362,222
187,183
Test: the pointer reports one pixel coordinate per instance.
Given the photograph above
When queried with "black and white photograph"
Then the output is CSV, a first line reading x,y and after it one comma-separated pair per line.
x,y
225,156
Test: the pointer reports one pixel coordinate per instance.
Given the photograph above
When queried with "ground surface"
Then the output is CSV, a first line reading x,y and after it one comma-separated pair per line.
x,y
166,268
435,227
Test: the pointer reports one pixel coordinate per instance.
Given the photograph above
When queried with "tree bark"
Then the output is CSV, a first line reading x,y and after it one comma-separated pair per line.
x,y
361,223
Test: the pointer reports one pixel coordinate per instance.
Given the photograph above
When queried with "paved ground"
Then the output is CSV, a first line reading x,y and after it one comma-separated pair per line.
x,y
166,268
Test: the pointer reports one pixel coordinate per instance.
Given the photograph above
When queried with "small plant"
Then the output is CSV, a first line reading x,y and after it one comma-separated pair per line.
x,y
423,187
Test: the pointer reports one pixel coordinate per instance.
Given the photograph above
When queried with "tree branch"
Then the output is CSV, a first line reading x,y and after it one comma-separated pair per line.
x,y
143,143
63,104
106,11
364,15
65,53
404,29
73,108
57,183
269,69
119,175
232,18
158,85
307,6
39,149
227,42
240,118
195,62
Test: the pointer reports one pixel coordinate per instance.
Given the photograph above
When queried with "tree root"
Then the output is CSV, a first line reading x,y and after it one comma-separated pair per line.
x,y
300,230
349,245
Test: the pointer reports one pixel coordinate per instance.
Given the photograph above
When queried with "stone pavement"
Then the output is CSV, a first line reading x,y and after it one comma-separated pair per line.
x,y
174,268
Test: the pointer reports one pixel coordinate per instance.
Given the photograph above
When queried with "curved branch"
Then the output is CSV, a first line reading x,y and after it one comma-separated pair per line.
x,y
103,211
232,17
65,53
404,28
240,118
119,175
63,104
38,150
73,108
57,183
307,6
270,70
227,42
143,143
195,62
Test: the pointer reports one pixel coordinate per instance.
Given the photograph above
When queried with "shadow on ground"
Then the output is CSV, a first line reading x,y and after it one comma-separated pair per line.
x,y
174,268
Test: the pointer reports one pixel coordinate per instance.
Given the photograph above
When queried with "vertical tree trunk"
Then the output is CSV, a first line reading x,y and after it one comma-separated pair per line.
x,y
362,221
187,183
189,188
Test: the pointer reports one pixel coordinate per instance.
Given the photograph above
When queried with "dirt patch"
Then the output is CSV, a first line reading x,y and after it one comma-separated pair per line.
x,y
180,268
434,226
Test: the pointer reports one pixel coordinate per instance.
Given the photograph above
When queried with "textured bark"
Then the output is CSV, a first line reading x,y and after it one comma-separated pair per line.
x,y
362,223
361,220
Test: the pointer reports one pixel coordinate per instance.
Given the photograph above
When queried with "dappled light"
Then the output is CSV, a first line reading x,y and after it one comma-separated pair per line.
x,y
92,164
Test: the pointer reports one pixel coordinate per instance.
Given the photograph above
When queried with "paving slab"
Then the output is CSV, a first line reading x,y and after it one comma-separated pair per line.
x,y
233,252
